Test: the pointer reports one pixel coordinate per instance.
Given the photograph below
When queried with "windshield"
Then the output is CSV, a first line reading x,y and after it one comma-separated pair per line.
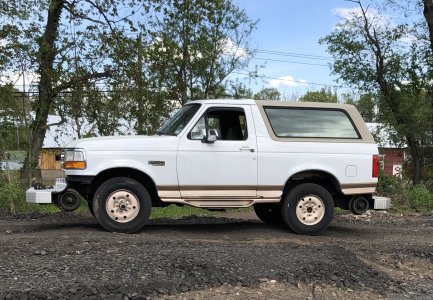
x,y
178,122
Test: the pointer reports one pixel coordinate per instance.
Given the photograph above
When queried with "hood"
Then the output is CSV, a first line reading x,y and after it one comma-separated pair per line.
x,y
126,143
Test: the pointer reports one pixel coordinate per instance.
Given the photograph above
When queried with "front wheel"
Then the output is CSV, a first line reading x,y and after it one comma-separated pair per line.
x,y
122,204
308,209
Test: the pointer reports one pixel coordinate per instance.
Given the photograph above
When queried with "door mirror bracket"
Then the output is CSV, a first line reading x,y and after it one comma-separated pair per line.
x,y
209,139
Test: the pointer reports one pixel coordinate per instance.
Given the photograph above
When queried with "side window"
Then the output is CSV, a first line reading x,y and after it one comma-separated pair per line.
x,y
311,123
227,124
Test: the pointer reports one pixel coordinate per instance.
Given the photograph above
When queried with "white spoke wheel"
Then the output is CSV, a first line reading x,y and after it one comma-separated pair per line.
x,y
308,208
122,204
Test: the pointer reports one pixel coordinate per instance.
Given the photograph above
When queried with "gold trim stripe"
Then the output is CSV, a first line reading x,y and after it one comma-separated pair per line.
x,y
219,187
358,185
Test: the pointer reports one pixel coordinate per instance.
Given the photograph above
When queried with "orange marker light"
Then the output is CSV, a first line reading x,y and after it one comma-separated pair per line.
x,y
80,165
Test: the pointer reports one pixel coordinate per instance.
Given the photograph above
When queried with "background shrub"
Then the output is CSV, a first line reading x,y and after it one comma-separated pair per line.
x,y
420,198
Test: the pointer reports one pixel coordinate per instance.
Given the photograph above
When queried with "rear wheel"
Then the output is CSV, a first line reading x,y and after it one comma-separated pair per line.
x,y
122,204
269,213
308,209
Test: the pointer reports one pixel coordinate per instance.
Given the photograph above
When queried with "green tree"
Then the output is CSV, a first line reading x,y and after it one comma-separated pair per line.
x,y
199,43
268,94
323,95
67,44
366,105
372,54
239,90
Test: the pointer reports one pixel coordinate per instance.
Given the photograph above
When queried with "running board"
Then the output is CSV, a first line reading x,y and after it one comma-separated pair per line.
x,y
220,203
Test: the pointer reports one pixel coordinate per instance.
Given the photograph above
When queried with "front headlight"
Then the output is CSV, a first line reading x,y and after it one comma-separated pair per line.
x,y
74,159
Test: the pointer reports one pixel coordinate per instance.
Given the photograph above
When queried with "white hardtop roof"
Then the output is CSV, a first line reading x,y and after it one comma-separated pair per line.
x,y
272,103
226,101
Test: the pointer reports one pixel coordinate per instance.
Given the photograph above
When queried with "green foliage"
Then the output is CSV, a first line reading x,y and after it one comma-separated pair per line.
x,y
324,95
395,188
372,53
175,212
268,94
13,200
366,105
404,196
420,198
238,90
197,44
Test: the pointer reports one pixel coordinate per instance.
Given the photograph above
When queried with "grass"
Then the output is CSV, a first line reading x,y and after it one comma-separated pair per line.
x,y
174,212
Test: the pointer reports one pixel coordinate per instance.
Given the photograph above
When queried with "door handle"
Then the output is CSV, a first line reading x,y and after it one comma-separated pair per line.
x,y
247,148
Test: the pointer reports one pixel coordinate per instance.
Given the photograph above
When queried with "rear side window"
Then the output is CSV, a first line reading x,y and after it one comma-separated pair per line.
x,y
310,123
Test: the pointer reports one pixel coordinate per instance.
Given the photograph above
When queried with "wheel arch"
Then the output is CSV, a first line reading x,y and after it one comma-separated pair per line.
x,y
133,173
320,177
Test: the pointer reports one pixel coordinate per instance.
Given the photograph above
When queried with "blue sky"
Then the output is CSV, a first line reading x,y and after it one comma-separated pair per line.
x,y
292,27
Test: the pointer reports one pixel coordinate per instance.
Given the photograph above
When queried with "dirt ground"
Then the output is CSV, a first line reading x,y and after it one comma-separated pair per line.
x,y
235,256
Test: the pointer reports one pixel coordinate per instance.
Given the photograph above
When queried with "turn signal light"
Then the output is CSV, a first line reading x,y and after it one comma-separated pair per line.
x,y
375,172
80,165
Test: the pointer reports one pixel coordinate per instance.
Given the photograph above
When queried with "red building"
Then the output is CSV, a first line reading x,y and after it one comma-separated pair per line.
x,y
392,155
392,159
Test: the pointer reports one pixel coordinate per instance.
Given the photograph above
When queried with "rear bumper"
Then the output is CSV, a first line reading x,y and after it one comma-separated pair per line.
x,y
46,196
381,202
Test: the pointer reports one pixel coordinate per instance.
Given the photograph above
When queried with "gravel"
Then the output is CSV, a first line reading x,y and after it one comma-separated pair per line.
x,y
69,256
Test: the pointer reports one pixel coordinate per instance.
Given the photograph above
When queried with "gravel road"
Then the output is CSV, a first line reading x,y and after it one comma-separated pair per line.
x,y
235,256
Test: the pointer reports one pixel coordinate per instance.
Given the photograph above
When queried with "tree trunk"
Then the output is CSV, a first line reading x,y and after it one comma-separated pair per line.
x,y
47,54
428,15
140,82
416,160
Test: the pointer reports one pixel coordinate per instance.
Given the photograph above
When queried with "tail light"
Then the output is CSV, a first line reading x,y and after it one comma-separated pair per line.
x,y
375,169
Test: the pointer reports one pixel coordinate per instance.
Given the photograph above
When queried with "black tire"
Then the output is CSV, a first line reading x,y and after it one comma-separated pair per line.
x,y
358,206
133,205
314,205
269,213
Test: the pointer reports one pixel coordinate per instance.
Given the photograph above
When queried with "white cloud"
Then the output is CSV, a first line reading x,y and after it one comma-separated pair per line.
x,y
232,49
286,82
354,13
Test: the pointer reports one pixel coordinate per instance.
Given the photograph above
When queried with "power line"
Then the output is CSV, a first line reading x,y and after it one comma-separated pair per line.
x,y
292,80
288,54
293,54
290,62
238,73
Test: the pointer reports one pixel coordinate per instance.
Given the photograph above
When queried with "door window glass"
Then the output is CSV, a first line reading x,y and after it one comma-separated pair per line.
x,y
227,124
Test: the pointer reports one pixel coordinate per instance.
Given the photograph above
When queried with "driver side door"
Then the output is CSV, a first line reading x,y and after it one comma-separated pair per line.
x,y
217,159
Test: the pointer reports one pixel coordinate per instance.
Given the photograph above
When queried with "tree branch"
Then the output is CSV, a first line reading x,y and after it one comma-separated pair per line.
x,y
101,11
71,9
77,80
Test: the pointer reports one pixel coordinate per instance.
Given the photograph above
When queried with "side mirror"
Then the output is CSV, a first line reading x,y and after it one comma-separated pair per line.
x,y
209,139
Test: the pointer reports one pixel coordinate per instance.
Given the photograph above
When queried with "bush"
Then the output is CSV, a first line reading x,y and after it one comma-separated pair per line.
x,y
395,188
13,199
403,195
420,198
